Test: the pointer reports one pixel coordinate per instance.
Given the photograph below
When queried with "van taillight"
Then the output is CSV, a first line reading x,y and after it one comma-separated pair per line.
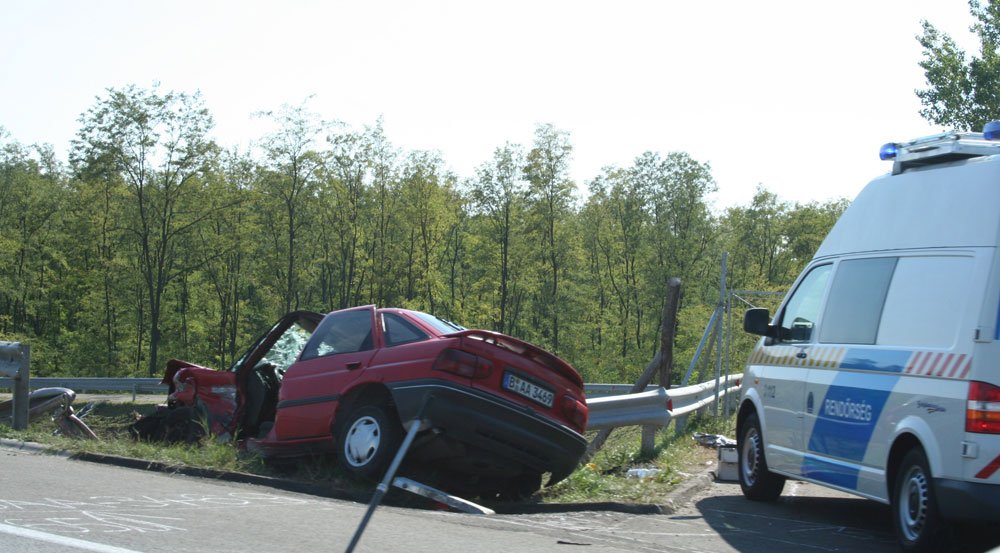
x,y
462,363
575,411
983,412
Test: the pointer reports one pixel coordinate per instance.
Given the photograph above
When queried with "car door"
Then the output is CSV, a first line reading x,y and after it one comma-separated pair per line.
x,y
342,346
779,372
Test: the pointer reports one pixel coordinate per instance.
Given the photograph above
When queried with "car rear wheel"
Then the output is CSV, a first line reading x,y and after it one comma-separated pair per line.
x,y
915,518
367,440
757,483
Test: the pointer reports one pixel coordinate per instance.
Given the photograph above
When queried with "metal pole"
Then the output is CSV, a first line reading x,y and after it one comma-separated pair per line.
x,y
718,344
21,389
383,486
729,339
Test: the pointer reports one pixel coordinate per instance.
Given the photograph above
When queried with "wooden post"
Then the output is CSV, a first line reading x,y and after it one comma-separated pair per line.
x,y
666,357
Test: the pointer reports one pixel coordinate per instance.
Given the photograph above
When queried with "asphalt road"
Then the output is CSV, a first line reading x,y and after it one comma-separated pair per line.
x,y
52,504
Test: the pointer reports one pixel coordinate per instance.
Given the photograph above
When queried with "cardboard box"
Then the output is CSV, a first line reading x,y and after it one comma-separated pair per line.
x,y
728,461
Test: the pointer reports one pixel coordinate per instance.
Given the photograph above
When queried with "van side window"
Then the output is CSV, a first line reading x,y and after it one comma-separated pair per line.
x,y
802,309
927,301
857,294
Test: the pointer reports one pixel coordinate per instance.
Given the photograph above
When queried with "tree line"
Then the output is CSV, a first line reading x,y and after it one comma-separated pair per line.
x,y
153,241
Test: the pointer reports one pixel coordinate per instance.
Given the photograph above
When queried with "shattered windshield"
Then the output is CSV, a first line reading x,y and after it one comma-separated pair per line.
x,y
286,349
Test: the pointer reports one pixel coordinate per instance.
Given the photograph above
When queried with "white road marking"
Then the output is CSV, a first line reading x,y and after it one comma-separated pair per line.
x,y
63,540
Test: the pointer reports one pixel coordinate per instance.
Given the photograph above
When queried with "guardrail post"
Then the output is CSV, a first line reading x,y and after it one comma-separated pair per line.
x,y
15,359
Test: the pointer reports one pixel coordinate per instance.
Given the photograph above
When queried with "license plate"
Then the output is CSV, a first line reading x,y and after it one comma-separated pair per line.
x,y
527,389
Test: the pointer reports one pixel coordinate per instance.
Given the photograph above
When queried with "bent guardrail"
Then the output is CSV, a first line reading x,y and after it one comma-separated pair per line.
x,y
655,407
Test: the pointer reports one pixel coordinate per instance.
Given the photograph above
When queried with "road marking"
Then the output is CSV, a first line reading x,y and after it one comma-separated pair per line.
x,y
62,540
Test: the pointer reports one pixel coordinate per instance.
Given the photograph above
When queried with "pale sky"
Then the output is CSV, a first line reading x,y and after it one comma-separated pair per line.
x,y
795,95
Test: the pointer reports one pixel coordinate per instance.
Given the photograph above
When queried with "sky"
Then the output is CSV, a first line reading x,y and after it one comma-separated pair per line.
x,y
791,95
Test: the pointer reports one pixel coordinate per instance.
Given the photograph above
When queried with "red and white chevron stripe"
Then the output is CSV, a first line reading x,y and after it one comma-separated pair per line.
x,y
939,363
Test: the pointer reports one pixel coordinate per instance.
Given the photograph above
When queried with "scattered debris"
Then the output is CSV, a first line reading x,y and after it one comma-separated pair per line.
x,y
713,440
642,473
452,501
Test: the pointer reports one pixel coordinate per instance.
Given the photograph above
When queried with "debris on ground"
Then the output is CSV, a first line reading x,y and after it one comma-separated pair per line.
x,y
713,440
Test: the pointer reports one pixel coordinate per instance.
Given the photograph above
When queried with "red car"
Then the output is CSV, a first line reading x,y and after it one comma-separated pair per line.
x,y
500,412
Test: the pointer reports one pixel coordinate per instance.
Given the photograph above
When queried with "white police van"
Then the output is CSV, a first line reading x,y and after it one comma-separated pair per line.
x,y
880,373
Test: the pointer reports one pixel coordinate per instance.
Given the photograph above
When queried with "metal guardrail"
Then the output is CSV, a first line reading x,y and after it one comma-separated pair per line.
x,y
95,384
15,363
655,407
610,405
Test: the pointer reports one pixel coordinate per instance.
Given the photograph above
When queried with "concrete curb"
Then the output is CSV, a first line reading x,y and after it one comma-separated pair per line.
x,y
31,447
677,497
686,490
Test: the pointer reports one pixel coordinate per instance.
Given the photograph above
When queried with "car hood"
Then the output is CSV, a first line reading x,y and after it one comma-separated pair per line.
x,y
175,365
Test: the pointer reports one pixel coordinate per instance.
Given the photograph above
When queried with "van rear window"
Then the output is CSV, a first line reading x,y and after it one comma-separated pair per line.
x,y
927,301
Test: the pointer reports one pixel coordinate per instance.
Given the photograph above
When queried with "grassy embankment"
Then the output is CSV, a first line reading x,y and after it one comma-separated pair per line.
x,y
602,479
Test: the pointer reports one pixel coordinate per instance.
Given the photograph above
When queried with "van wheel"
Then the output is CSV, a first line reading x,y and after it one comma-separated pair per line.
x,y
919,527
368,437
757,483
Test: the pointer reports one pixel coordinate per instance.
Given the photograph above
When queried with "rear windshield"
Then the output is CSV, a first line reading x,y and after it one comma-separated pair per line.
x,y
441,325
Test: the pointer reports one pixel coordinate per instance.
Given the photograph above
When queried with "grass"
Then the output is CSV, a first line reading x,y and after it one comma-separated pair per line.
x,y
603,479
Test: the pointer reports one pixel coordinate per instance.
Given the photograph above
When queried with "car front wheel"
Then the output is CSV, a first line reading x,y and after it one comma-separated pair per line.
x,y
757,483
367,440
918,525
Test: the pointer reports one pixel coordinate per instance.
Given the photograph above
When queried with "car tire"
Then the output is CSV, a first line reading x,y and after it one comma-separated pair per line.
x,y
368,437
915,517
756,481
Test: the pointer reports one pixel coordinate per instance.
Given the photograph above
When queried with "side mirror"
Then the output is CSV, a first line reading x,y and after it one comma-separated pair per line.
x,y
758,321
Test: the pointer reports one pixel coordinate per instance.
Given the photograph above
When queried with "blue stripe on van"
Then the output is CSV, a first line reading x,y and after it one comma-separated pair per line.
x,y
846,417
831,473
997,337
871,359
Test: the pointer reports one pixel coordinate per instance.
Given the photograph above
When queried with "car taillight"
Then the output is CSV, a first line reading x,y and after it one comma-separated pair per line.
x,y
575,411
983,412
462,363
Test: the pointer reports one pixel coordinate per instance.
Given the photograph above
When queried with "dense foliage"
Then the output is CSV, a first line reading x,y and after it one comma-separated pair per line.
x,y
963,90
153,242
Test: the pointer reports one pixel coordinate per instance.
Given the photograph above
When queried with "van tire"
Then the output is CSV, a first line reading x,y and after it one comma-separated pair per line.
x,y
915,517
756,481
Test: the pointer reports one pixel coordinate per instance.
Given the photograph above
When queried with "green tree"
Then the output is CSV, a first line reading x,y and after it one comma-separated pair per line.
x,y
498,195
963,90
289,182
158,145
550,194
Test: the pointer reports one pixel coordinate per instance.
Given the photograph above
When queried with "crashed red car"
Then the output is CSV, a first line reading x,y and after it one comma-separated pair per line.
x,y
499,411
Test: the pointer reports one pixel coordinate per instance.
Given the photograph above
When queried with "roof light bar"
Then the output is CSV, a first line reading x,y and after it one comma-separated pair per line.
x,y
991,130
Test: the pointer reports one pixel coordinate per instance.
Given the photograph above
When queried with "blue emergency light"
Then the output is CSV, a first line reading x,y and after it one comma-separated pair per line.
x,y
991,130
888,151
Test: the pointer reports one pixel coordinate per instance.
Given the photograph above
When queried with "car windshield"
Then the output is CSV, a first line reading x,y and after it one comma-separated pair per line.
x,y
443,326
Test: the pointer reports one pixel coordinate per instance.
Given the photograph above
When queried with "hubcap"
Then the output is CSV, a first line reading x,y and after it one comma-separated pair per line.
x,y
751,456
913,498
361,443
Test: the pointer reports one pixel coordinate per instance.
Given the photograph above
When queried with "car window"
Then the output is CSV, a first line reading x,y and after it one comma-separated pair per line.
x,y
857,295
399,331
443,326
802,309
286,349
343,332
